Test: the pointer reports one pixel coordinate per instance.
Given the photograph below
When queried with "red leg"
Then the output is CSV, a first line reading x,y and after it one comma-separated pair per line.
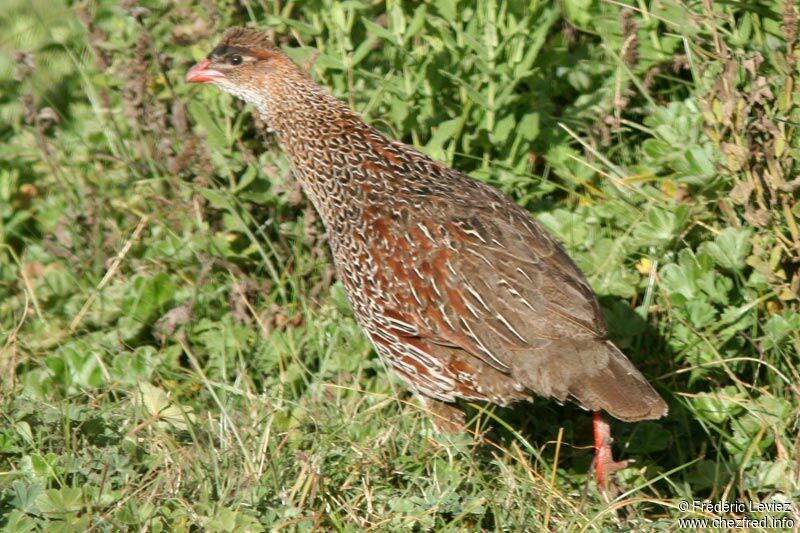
x,y
604,464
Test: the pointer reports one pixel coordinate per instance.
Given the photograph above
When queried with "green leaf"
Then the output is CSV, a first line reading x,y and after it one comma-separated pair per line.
x,y
649,437
715,286
528,126
697,165
216,136
25,494
707,474
417,22
780,328
380,31
302,27
446,131
246,179
57,501
578,11
397,22
149,295
730,248
158,405
363,50
20,522
700,313
503,128
447,8
676,280
660,227
218,199
771,474
718,406
657,149
472,93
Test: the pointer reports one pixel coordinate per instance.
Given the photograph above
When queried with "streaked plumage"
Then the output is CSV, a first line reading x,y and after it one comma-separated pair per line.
x,y
462,292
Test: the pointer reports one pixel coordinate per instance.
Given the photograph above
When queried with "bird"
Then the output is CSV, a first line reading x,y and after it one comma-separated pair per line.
x,y
462,292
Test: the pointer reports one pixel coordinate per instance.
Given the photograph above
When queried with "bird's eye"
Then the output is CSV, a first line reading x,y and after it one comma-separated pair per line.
x,y
235,60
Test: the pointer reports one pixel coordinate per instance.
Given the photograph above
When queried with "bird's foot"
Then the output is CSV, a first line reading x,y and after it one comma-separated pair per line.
x,y
604,464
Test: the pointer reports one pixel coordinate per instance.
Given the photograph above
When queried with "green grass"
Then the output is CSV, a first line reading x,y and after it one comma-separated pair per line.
x,y
175,353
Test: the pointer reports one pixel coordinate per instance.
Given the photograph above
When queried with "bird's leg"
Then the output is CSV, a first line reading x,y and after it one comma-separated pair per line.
x,y
604,464
446,417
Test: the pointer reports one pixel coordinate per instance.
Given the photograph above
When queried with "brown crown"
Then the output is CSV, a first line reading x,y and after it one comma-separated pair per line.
x,y
247,39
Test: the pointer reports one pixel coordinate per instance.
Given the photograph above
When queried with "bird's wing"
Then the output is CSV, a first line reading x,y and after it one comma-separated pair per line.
x,y
486,280
492,284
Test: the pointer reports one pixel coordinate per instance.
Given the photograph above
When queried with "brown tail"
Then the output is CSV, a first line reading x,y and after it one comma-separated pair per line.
x,y
617,387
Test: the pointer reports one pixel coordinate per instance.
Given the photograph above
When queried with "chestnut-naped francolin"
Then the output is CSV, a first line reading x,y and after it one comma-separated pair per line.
x,y
462,292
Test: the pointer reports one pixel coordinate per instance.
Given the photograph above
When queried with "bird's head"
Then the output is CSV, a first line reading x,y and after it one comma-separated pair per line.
x,y
243,63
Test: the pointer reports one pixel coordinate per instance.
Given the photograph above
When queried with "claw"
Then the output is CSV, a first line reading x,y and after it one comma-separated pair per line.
x,y
604,464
